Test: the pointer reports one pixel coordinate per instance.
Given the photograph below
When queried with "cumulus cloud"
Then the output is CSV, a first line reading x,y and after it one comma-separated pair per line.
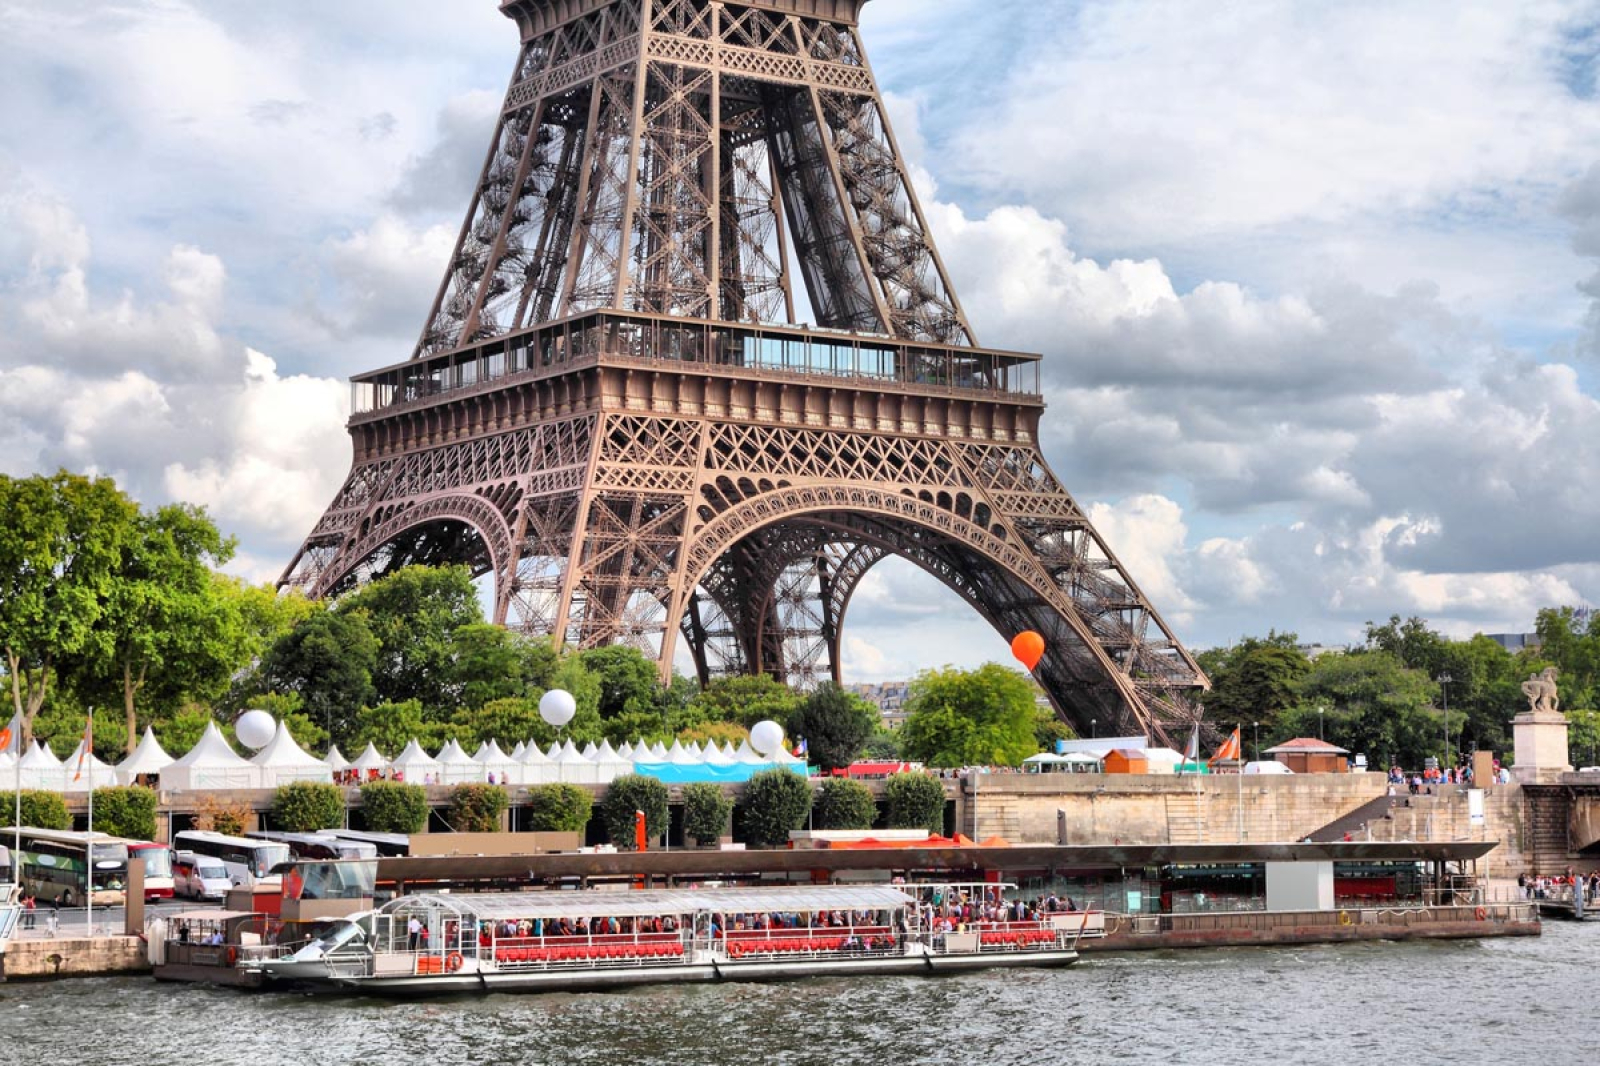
x,y
444,177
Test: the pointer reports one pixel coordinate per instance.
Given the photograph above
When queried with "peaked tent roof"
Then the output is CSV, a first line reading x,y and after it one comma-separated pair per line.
x,y
414,755
148,758
212,750
40,757
335,759
370,758
282,751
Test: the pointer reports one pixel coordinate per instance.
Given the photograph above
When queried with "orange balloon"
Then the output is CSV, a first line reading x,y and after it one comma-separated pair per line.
x,y
1028,647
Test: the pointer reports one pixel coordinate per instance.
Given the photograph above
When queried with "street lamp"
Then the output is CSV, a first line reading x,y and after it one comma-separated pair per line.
x,y
1320,711
1444,680
1094,729
1257,728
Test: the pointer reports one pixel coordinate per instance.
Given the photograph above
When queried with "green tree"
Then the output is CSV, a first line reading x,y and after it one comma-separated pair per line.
x,y
1369,702
1412,642
914,801
630,793
970,717
844,804
165,617
183,730
559,808
327,661
414,615
307,806
1047,729
747,699
392,807
285,708
835,725
126,812
477,808
775,801
884,744
1257,680
628,680
391,726
41,810
706,809
60,545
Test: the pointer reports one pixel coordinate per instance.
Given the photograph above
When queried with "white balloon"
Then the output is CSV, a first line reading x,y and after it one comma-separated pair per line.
x,y
255,728
766,737
557,707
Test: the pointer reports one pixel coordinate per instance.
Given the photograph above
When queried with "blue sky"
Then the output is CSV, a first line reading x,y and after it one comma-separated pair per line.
x,y
1313,281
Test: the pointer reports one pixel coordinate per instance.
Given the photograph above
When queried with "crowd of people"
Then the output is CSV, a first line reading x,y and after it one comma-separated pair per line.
x,y
1560,887
1424,782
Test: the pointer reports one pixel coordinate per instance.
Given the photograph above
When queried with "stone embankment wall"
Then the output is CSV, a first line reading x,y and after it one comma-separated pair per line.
x,y
1158,808
63,957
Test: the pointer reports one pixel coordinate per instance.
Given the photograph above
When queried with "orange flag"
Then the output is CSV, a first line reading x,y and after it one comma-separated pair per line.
x,y
88,743
1229,749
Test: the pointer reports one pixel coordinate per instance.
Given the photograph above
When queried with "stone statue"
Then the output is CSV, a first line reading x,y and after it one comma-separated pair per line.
x,y
1540,689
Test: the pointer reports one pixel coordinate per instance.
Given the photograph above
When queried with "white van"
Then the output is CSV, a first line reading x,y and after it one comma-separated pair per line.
x,y
199,876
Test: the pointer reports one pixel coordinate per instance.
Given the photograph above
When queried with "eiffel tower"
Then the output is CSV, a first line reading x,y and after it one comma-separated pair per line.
x,y
612,411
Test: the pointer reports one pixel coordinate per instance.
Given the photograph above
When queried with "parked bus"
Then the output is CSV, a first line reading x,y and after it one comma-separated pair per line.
x,y
324,846
55,867
157,860
389,845
249,862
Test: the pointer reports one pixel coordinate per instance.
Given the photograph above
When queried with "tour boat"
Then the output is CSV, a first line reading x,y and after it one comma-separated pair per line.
x,y
574,941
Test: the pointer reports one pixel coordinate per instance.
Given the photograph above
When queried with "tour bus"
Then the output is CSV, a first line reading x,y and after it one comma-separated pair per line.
x,y
157,860
324,846
55,867
249,862
389,845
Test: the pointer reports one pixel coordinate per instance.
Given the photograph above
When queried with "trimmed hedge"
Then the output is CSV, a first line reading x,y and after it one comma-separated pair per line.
x,y
559,808
477,808
630,793
307,806
393,807
126,812
775,801
41,810
706,810
844,804
914,801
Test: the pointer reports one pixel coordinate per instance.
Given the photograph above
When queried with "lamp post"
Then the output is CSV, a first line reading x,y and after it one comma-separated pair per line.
x,y
1094,729
1444,680
1320,711
1257,740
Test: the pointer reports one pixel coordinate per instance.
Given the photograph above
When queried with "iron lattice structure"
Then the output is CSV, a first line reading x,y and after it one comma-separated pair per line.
x,y
610,412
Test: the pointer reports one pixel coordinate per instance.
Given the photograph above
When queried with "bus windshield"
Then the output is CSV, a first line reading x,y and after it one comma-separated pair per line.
x,y
157,861
266,857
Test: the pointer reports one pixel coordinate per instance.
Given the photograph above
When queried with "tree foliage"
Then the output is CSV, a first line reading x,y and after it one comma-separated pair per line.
x,y
1256,680
706,809
775,801
747,699
970,717
126,812
60,546
477,808
914,801
328,661
844,804
835,725
307,806
559,808
41,810
393,807
630,793
413,615
217,815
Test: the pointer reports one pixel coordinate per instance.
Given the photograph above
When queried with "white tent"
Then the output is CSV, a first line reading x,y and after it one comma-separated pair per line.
x,y
85,775
611,763
747,754
456,766
715,756
575,768
535,767
416,765
370,759
678,755
495,762
519,751
590,751
41,769
335,759
148,758
1162,760
658,752
283,761
211,763
626,751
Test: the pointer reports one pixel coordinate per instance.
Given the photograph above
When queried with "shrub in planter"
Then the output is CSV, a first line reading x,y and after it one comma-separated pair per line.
x,y
392,807
844,804
775,801
630,793
559,808
706,810
307,806
914,801
477,808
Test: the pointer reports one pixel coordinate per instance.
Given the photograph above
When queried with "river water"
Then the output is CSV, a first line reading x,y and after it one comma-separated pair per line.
x,y
1524,999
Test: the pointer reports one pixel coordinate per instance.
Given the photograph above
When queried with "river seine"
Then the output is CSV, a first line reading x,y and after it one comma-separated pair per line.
x,y
1525,999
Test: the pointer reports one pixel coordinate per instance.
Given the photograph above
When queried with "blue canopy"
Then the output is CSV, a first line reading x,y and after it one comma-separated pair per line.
x,y
688,773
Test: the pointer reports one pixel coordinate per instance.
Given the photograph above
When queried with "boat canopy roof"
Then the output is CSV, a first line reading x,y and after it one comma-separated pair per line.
x,y
658,902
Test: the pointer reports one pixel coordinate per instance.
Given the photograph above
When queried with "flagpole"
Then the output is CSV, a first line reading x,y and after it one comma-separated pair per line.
x,y
1238,767
88,891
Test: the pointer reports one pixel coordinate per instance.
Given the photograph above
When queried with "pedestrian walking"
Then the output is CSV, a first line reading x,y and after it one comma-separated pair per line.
x,y
28,911
53,922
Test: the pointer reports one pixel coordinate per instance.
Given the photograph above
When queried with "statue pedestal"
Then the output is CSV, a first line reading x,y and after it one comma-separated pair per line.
x,y
1539,744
